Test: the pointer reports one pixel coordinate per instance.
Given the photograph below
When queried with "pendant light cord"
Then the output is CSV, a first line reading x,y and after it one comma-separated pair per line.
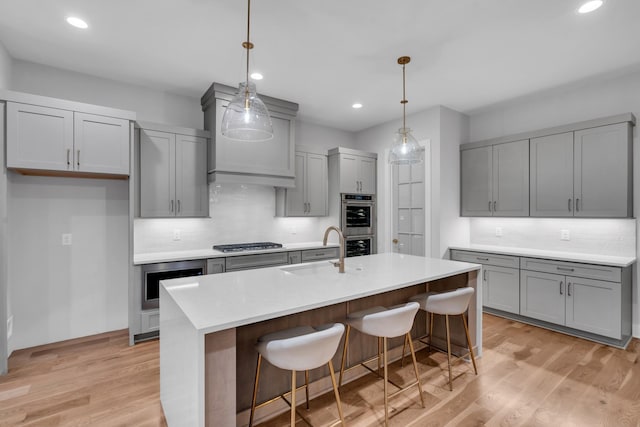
x,y
248,44
404,99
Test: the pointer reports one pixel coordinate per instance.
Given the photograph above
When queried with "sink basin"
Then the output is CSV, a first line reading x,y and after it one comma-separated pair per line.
x,y
318,269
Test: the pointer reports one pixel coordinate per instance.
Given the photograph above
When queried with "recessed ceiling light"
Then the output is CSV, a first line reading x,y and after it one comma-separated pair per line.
x,y
590,6
357,105
77,22
256,76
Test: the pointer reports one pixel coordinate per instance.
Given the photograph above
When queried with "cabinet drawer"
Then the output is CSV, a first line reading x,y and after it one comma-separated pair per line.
x,y
295,257
245,262
589,271
215,265
320,254
486,259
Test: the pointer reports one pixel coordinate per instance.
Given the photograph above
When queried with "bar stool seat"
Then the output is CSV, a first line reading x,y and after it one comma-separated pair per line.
x,y
452,303
299,349
384,323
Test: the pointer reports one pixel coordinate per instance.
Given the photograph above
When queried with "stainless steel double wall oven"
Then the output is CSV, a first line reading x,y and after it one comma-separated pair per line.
x,y
358,223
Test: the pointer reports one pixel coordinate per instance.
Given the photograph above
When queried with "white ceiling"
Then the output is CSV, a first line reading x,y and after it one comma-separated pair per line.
x,y
327,54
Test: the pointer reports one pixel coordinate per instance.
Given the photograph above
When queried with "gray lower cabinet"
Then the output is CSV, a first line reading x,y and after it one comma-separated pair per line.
x,y
542,296
320,254
215,265
248,262
309,197
295,257
495,180
500,279
173,172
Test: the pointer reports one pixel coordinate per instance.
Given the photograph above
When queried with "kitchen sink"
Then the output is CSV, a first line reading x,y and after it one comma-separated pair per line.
x,y
318,269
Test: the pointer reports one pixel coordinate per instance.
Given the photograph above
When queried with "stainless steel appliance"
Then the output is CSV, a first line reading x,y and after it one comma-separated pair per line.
x,y
152,274
360,245
358,216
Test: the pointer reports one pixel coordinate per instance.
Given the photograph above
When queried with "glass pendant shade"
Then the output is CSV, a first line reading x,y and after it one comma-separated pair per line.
x,y
405,149
246,117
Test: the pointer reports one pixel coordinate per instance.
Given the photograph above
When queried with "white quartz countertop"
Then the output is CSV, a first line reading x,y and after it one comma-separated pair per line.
x,y
221,301
614,261
153,257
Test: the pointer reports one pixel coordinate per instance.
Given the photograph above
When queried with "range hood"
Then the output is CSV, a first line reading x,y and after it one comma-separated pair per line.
x,y
270,163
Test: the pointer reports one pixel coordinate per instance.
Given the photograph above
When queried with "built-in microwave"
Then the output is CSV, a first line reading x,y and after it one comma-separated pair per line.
x,y
152,274
358,216
359,245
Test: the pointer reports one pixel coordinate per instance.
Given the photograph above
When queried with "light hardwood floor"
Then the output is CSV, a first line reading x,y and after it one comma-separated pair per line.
x,y
528,376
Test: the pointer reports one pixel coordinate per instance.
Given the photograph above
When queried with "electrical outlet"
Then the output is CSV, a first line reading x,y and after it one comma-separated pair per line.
x,y
565,234
9,327
498,231
66,239
177,234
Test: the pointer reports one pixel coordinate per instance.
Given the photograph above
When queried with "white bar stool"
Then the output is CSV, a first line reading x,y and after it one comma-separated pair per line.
x,y
299,349
384,323
453,303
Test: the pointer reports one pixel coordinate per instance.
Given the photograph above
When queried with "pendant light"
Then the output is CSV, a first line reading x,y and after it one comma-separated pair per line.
x,y
246,117
405,149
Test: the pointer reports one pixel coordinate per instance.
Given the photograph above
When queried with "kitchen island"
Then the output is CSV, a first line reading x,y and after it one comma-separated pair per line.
x,y
209,323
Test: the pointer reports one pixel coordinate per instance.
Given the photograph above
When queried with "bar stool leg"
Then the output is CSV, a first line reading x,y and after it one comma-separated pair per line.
x,y
415,367
255,390
335,392
379,354
306,386
430,331
404,347
293,398
344,354
386,379
446,316
466,331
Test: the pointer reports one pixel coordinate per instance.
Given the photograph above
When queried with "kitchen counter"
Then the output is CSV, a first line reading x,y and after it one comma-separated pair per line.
x,y
154,257
199,317
613,261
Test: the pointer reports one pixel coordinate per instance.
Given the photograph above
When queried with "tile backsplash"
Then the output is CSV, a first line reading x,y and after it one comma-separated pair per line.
x,y
239,213
615,237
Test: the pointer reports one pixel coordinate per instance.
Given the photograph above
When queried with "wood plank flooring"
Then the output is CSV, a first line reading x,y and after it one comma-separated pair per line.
x,y
527,377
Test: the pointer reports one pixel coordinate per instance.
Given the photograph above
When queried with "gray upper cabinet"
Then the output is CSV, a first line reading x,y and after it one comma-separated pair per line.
x,y
309,196
581,169
55,139
356,170
495,180
586,173
173,174
268,162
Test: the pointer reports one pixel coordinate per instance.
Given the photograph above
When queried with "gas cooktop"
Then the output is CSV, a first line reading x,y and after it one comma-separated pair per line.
x,y
240,247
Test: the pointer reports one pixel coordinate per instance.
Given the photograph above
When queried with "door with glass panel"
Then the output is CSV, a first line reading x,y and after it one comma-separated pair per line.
x,y
409,217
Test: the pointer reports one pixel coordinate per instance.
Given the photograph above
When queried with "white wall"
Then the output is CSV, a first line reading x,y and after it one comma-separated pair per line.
x,y
6,63
61,292
149,104
605,96
446,130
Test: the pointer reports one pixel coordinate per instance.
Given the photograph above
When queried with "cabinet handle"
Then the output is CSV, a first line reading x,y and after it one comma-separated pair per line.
x,y
172,206
569,288
489,205
565,268
308,207
494,205
561,287
178,205
68,154
569,205
577,205
482,259
484,275
78,159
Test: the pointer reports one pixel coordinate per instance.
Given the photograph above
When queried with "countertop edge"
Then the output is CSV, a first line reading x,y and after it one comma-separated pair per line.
x,y
608,260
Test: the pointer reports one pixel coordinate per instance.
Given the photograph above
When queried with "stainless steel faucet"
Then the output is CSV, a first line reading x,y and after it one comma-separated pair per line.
x,y
340,263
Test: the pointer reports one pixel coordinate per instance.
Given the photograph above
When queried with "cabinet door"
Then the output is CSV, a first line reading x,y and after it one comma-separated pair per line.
x,y
476,181
316,185
551,175
101,144
157,174
348,173
366,175
542,296
602,171
511,179
501,288
296,200
39,137
191,191
594,306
